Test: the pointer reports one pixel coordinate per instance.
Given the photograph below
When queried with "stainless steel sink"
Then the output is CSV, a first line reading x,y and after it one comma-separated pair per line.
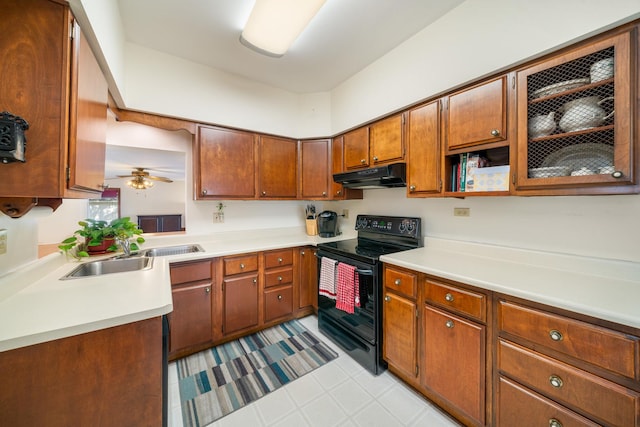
x,y
109,266
171,250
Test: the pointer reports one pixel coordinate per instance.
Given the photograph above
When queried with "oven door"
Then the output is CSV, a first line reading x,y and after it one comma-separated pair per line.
x,y
364,322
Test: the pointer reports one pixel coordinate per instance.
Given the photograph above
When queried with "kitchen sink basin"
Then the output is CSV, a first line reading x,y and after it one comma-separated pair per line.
x,y
109,266
171,250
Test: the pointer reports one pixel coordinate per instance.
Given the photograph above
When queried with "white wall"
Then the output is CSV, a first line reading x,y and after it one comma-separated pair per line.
x,y
475,39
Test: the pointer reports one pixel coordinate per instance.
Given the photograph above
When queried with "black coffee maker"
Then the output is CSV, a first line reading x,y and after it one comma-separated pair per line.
x,y
328,224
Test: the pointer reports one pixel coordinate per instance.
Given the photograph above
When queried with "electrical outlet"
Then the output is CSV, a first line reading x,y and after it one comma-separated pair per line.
x,y
461,211
3,241
218,217
345,213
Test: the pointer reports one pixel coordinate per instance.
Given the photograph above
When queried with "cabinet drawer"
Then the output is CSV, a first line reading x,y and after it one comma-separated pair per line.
x,y
240,264
401,281
278,277
602,399
278,302
278,258
190,272
518,406
600,346
457,299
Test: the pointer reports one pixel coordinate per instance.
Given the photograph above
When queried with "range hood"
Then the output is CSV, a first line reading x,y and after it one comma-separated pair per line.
x,y
393,175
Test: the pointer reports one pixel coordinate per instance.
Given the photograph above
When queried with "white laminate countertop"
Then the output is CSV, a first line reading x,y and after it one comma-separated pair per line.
x,y
36,306
601,288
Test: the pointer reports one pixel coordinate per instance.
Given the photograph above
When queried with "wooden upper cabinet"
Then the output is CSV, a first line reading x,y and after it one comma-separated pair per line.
x,y
356,148
315,169
277,171
225,164
386,141
88,119
478,115
423,156
569,139
38,62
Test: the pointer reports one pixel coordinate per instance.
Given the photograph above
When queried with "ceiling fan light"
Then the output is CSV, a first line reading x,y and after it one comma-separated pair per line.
x,y
139,183
273,25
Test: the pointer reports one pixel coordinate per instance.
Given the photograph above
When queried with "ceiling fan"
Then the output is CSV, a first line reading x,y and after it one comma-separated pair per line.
x,y
141,180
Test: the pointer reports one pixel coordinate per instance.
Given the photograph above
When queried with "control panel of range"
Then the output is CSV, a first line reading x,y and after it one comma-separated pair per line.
x,y
396,225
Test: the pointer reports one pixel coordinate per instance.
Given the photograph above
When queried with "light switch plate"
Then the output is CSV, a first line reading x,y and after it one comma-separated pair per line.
x,y
461,211
3,241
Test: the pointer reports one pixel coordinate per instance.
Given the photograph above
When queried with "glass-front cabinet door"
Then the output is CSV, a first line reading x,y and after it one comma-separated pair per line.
x,y
575,116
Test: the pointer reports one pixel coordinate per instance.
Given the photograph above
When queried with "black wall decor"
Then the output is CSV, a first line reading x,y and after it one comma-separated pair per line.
x,y
12,140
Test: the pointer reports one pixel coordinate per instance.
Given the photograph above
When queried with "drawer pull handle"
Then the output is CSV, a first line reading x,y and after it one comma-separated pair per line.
x,y
554,423
555,335
241,265
302,253
280,260
450,324
279,297
207,290
556,381
363,161
397,282
448,297
255,281
279,278
387,298
495,132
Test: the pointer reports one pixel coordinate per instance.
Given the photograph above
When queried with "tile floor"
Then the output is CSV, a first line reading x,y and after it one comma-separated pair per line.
x,y
340,393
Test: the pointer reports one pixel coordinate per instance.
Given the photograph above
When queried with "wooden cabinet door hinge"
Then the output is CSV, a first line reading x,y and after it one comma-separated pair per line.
x,y
68,173
417,370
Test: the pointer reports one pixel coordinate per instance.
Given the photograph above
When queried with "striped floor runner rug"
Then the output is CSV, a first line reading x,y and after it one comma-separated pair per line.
x,y
220,380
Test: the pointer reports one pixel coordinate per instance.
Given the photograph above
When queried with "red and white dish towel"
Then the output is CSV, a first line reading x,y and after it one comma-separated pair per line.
x,y
348,284
327,285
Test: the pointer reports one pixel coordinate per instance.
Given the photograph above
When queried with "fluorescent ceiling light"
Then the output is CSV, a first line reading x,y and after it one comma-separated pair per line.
x,y
274,25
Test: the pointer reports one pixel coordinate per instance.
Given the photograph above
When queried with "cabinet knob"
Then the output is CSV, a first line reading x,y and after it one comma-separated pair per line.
x,y
554,423
449,324
397,282
412,188
279,297
555,335
363,161
339,192
264,193
448,297
207,289
495,132
324,194
375,158
302,253
241,266
280,260
204,192
255,281
279,278
387,298
617,174
555,381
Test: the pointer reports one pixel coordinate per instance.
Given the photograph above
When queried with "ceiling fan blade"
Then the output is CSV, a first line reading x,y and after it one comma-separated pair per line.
x,y
159,178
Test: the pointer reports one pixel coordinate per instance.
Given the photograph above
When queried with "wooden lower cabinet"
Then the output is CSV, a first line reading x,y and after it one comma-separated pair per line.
x,y
278,302
518,406
308,282
454,361
190,322
109,377
400,324
240,299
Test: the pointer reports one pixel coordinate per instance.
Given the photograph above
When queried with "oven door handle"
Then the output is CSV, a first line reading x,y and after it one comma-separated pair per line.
x,y
359,271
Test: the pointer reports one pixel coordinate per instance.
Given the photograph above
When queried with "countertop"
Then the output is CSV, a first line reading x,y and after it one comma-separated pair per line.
x,y
35,306
601,288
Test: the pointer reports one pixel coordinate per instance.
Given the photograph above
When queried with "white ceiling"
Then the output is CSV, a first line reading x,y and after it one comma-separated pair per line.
x,y
342,39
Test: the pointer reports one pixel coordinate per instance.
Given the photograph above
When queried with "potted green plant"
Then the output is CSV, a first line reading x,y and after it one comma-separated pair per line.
x,y
100,237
